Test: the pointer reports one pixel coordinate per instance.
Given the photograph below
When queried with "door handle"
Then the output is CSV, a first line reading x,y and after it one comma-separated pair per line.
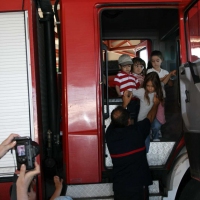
x,y
187,94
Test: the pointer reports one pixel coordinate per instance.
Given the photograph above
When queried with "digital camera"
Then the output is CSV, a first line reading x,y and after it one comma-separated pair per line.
x,y
26,150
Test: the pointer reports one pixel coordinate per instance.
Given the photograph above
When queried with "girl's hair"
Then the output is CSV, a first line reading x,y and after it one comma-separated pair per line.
x,y
157,53
149,65
154,78
137,60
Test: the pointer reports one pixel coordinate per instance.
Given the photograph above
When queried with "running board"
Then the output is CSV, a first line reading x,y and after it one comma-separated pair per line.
x,y
102,191
111,198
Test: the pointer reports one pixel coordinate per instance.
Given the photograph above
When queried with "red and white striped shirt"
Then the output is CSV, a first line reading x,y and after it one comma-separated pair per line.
x,y
126,82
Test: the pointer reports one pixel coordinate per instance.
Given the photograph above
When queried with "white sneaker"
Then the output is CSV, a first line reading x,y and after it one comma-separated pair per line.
x,y
156,140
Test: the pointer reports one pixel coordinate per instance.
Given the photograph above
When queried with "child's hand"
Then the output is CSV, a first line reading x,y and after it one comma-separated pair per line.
x,y
58,185
127,94
58,182
130,94
126,98
32,193
173,73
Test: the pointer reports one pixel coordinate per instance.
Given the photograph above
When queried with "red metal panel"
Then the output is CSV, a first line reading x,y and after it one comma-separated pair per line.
x,y
80,82
10,5
183,55
83,161
5,190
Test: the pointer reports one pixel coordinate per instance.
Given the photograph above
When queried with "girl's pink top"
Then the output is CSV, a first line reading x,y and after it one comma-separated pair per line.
x,y
160,116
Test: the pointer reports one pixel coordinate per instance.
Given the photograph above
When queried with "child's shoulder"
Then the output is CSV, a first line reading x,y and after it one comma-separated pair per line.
x,y
164,71
140,90
150,70
118,73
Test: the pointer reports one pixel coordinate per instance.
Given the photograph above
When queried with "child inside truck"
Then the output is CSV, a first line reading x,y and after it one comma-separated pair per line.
x,y
165,76
125,80
152,86
139,69
156,59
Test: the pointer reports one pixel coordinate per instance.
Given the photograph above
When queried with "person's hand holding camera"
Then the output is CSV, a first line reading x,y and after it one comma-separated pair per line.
x,y
24,180
7,144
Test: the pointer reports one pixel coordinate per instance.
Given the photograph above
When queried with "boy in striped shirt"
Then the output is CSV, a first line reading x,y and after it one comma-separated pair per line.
x,y
125,80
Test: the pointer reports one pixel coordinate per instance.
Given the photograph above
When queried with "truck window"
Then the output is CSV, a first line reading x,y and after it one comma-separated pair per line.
x,y
193,32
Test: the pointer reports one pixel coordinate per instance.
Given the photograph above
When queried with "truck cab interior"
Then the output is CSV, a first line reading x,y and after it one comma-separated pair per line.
x,y
137,31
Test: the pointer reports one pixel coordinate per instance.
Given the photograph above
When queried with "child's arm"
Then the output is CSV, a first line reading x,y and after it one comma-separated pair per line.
x,y
58,187
163,78
167,77
126,98
152,113
118,90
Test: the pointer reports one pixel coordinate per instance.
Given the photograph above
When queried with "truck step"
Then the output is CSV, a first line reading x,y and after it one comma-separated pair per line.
x,y
101,191
112,198
96,198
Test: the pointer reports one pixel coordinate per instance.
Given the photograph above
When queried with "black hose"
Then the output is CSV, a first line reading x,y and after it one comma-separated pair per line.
x,y
50,58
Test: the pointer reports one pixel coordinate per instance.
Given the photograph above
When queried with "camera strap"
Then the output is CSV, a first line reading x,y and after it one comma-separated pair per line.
x,y
13,188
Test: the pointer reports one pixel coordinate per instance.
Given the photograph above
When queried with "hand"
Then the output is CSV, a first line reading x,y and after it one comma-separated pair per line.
x,y
58,185
126,98
24,181
156,101
58,182
32,193
173,73
7,144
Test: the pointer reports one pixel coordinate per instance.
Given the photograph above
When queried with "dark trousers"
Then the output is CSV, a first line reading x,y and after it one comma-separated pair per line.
x,y
137,193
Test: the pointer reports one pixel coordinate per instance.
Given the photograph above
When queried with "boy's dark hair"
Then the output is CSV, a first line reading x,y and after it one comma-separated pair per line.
x,y
157,53
120,117
141,62
149,65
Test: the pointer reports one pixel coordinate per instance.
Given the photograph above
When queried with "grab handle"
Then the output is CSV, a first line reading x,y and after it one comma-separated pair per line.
x,y
187,94
105,98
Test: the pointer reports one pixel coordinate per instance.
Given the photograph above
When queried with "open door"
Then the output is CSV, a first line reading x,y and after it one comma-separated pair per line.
x,y
189,74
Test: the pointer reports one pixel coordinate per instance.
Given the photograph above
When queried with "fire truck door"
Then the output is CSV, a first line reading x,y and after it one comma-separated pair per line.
x,y
190,106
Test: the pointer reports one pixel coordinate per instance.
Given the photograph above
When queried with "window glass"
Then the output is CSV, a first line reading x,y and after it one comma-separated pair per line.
x,y
193,32
144,55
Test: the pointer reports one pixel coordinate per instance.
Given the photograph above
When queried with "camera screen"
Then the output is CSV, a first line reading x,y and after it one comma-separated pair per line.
x,y
21,150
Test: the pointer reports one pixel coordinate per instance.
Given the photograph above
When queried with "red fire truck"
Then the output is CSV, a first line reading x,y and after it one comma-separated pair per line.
x,y
57,63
